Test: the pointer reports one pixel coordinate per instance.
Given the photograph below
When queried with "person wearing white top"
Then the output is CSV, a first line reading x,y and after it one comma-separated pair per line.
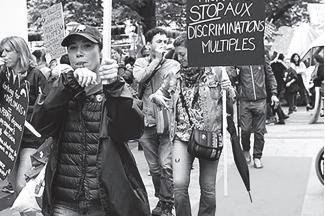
x,y
300,68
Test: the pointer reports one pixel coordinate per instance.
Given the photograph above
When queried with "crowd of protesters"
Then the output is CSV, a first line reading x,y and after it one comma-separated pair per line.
x,y
92,107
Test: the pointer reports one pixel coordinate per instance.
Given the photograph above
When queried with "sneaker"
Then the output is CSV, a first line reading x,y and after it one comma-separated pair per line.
x,y
280,123
258,163
167,209
8,189
247,156
309,107
157,210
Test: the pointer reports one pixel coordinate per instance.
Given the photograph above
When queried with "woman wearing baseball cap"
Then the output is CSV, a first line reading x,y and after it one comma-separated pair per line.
x,y
91,115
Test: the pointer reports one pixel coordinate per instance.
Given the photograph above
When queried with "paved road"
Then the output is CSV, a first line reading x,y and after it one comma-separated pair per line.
x,y
285,144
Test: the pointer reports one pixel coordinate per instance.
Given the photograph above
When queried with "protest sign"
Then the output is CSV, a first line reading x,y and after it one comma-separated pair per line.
x,y
53,28
225,32
13,111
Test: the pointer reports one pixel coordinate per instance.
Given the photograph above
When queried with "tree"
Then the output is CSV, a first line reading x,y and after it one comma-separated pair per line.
x,y
141,11
287,12
161,12
171,12
83,11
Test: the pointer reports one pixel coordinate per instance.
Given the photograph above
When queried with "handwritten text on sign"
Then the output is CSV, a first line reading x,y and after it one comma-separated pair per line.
x,y
13,110
225,32
53,28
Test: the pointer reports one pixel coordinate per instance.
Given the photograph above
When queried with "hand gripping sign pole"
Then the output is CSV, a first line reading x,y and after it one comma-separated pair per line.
x,y
224,132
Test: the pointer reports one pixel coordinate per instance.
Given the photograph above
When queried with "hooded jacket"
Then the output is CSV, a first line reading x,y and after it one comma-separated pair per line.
x,y
256,82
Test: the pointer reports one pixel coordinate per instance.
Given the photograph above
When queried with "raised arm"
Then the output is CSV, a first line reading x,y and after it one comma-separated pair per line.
x,y
143,68
49,114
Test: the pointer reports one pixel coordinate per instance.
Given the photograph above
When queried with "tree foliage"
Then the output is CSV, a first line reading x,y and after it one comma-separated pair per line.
x,y
156,12
287,12
171,12
83,11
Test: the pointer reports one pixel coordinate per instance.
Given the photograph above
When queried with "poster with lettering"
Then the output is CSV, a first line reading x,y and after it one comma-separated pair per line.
x,y
225,32
13,110
53,28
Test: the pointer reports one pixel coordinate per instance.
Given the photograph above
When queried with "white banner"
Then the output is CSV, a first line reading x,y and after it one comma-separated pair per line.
x,y
53,28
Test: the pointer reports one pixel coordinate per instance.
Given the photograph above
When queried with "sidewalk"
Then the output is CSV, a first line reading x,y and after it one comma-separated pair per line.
x,y
286,186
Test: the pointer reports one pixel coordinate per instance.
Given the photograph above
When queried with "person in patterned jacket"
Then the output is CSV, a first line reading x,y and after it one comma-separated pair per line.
x,y
194,97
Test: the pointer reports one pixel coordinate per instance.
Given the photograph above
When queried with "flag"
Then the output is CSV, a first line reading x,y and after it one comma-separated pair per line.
x,y
270,29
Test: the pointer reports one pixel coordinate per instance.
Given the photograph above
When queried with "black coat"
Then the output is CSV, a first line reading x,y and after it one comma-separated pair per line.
x,y
278,69
292,75
122,192
319,75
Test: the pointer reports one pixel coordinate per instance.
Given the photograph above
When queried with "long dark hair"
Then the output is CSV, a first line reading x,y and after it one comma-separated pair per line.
x,y
292,59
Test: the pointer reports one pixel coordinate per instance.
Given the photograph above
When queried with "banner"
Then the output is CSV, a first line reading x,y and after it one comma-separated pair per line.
x,y
13,111
225,33
53,28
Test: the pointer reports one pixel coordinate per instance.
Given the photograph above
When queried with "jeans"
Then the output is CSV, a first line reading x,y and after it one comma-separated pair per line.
x,y
182,163
302,90
158,153
291,101
17,175
62,210
252,118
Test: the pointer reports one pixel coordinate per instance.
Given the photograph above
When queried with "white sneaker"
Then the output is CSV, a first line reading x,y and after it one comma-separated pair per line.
x,y
247,156
258,163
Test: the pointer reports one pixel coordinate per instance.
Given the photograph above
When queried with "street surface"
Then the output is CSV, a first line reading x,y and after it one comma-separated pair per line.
x,y
286,186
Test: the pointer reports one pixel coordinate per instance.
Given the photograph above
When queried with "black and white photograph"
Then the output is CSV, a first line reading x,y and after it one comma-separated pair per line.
x,y
162,107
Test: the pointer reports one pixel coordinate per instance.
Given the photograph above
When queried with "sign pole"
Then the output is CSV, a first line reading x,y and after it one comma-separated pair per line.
x,y
224,133
107,23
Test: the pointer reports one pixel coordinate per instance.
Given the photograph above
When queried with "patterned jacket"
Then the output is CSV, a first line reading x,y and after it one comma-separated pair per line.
x,y
203,99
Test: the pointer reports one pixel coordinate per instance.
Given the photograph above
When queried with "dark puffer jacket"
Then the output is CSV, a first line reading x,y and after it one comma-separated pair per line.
x,y
76,176
111,175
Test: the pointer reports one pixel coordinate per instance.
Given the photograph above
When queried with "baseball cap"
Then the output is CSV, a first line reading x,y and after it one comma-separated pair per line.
x,y
88,32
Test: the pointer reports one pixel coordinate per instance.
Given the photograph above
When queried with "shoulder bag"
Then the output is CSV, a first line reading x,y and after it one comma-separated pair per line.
x,y
202,144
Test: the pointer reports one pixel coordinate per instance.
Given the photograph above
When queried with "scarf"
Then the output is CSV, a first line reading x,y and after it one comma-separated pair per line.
x,y
190,75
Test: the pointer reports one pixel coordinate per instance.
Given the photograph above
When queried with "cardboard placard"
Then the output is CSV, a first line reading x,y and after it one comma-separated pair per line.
x,y
53,28
225,32
13,112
